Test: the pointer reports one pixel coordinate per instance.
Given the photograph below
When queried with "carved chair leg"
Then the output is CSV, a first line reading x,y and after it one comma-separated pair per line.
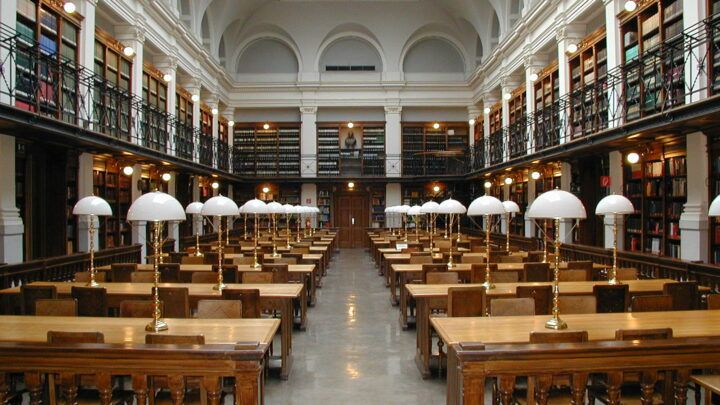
x,y
579,385
681,381
69,384
140,387
647,386
614,382
212,386
506,385
104,385
177,389
33,382
542,389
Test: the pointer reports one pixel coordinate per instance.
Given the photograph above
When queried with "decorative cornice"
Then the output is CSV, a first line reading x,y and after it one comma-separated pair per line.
x,y
308,110
130,32
393,109
573,32
166,63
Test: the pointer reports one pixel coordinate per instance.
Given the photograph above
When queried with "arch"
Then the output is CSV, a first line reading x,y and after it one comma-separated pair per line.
x,y
221,50
478,51
205,30
436,32
346,31
433,55
263,32
495,30
267,55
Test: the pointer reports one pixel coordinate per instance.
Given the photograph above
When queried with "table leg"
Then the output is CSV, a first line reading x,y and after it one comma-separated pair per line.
x,y
403,304
303,310
286,338
393,287
424,339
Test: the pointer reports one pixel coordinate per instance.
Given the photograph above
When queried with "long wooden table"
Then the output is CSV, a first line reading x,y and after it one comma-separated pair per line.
x,y
234,348
423,294
277,297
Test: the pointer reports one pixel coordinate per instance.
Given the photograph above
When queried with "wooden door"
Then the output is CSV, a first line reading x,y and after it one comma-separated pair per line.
x,y
351,217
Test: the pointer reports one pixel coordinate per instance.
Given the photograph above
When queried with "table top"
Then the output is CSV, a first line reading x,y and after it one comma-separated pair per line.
x,y
132,330
305,256
409,268
709,381
566,287
282,290
516,329
191,268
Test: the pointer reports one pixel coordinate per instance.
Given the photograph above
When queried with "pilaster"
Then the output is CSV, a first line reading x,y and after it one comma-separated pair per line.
x,y
694,222
11,224
308,141
393,141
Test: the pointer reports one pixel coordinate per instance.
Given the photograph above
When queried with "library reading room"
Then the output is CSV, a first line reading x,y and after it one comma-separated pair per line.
x,y
302,202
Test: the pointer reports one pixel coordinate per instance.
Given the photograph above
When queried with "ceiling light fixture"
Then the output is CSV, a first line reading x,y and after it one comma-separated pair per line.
x,y
167,77
508,180
128,51
535,175
166,176
632,157
128,170
486,110
266,126
214,111
69,7
572,48
436,126
630,5
215,185
231,123
533,77
266,190
195,98
436,188
351,184
350,125
488,184
507,96
471,121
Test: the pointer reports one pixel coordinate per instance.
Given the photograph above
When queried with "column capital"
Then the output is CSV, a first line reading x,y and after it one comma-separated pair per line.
x,y
509,83
394,109
308,110
229,113
130,32
473,112
534,60
166,63
212,100
570,32
192,85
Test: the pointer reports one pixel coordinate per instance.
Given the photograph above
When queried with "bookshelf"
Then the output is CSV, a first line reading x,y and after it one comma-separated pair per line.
x,y
517,105
367,158
71,192
657,186
479,133
518,193
714,188
324,204
495,146
289,194
183,106
328,150
373,150
588,89
652,85
154,88
377,207
110,184
267,152
546,95
111,64
420,140
413,195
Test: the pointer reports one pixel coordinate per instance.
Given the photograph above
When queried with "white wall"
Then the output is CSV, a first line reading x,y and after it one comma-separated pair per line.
x,y
411,114
267,114
345,114
267,56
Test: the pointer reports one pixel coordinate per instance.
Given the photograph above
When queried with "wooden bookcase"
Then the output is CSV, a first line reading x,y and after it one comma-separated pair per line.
x,y
183,106
479,133
657,187
154,88
588,71
366,159
325,205
413,195
517,126
267,152
71,192
111,184
377,206
546,95
518,193
650,87
547,87
111,64
422,146
495,118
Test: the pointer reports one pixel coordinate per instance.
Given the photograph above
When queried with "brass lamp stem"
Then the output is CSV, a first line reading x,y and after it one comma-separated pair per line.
x,y
299,218
458,229
555,322
450,259
447,223
417,230
613,272
488,284
157,324
227,232
404,217
544,236
255,244
220,285
431,223
274,236
91,231
287,229
507,232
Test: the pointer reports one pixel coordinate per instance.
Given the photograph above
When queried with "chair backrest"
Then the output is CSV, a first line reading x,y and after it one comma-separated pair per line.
x,y
301,250
580,265
478,270
176,301
31,293
466,301
496,256
278,270
432,268
445,277
541,295
573,336
75,337
472,259
192,260
652,303
210,257
573,275
628,273
585,304
442,244
162,339
424,259
685,295
536,272
204,277
84,277
512,307
137,309
535,256
250,298
120,272
644,334
142,277
612,298
256,277
713,301
242,260
92,301
511,259
229,272
169,272
285,260
505,276
219,309
56,307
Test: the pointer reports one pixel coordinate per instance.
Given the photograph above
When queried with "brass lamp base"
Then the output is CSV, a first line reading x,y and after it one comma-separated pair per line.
x,y
450,265
198,254
92,283
156,325
256,265
614,281
275,254
219,287
555,323
488,285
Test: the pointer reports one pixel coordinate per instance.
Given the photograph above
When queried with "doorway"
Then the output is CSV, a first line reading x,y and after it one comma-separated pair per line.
x,y
352,219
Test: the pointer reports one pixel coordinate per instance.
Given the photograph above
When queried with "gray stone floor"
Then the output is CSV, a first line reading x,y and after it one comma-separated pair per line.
x,y
354,351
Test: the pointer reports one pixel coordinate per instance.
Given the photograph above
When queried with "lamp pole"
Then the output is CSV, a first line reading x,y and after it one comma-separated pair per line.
x,y
613,272
198,253
450,259
220,285
507,232
91,231
488,284
157,324
255,244
555,322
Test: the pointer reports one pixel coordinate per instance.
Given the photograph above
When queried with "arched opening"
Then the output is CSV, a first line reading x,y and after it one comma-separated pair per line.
x,y
495,30
478,51
265,56
433,55
205,31
350,54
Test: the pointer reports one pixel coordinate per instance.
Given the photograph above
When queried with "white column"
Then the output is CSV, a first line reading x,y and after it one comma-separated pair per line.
x,y
138,232
8,16
193,87
173,226
694,223
308,141
133,36
614,56
473,114
393,196
695,59
308,197
616,187
85,188
393,141
567,224
87,59
529,223
11,224
504,226
229,115
168,65
566,35
212,102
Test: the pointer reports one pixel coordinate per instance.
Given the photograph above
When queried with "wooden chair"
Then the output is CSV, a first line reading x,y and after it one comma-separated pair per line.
x,y
443,245
229,272
496,256
685,295
142,277
628,273
210,258
282,260
278,270
511,259
56,307
418,259
31,293
574,275
512,307
611,298
138,309
536,272
169,272
477,272
176,301
580,265
257,278
92,301
159,383
120,272
585,304
204,277
541,295
242,260
446,277
431,268
219,309
466,301
505,277
192,260
535,256
84,277
713,301
249,297
301,250
652,303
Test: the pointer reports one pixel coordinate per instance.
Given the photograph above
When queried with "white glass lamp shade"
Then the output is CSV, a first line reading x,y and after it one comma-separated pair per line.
x,y
297,209
92,205
486,205
316,210
275,208
715,207
614,204
194,208
255,207
289,209
390,209
241,210
403,209
429,207
156,206
220,206
556,204
451,206
511,206
415,210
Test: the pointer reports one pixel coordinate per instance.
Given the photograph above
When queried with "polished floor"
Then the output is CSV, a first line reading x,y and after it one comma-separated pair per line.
x,y
354,351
